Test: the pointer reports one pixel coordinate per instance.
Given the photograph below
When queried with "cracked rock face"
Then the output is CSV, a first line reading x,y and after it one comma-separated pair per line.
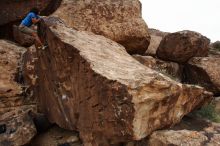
x,y
16,126
182,46
119,20
204,71
171,69
90,84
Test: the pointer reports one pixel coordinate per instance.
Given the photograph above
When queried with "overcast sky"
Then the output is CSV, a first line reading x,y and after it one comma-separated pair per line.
x,y
174,15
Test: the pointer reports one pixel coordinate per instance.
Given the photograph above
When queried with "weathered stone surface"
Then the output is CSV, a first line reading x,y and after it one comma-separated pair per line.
x,y
156,38
21,38
154,44
204,71
57,137
119,20
18,127
191,131
89,83
29,74
171,69
182,46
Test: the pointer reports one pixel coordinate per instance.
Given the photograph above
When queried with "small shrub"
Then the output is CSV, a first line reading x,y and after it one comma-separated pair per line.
x,y
208,112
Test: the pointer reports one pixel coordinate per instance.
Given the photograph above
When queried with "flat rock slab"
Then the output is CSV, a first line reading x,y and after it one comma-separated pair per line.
x,y
90,84
16,126
204,71
170,69
119,20
182,46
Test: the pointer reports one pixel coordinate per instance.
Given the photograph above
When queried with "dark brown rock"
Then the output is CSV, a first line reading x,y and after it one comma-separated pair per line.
x,y
204,71
119,20
18,126
12,11
57,137
21,38
171,69
182,46
90,84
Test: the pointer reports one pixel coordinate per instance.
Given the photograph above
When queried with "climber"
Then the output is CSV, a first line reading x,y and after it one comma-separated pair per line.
x,y
25,26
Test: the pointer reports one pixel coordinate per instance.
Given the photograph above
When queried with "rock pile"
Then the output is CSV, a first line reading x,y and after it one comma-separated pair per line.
x,y
16,126
92,91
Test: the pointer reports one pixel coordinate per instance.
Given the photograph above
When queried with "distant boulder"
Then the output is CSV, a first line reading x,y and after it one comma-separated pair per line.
x,y
182,46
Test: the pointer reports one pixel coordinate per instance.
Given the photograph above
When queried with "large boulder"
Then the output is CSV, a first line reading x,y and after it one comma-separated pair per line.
x,y
16,126
171,69
22,38
119,20
204,71
89,83
182,46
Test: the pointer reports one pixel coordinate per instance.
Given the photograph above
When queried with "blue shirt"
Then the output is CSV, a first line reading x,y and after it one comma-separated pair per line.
x,y
27,21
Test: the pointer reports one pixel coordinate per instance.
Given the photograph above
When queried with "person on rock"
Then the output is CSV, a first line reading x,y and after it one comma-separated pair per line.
x,y
25,26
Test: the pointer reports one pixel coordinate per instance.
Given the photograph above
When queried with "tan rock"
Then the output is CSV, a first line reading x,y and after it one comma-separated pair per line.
x,y
90,84
156,38
21,38
170,69
16,126
182,46
56,137
154,44
204,71
119,20
190,132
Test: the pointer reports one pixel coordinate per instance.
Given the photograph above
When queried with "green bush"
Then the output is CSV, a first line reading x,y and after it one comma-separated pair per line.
x,y
209,112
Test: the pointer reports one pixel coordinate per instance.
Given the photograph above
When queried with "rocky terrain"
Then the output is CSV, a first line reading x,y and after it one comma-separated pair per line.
x,y
105,79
